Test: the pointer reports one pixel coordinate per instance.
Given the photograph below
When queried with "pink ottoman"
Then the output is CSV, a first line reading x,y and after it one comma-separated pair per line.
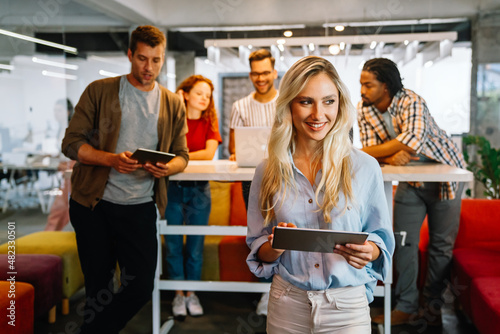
x,y
44,272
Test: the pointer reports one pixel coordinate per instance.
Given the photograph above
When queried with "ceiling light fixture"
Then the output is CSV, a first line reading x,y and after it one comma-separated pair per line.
x,y
339,27
54,63
328,40
59,75
240,28
108,74
334,49
396,22
66,48
6,67
288,33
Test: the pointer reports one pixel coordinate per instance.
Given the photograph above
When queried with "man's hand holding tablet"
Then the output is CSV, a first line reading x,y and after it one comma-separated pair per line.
x,y
143,156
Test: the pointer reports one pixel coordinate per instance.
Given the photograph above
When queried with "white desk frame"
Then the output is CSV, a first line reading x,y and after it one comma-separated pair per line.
x,y
223,170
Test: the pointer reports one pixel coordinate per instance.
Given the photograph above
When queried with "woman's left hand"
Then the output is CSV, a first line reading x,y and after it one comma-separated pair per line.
x,y
358,256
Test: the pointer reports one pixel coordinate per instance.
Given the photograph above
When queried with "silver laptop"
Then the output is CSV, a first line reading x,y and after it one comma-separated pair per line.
x,y
251,145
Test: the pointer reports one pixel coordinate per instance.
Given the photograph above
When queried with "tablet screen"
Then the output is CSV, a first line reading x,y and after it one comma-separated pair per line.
x,y
143,155
314,240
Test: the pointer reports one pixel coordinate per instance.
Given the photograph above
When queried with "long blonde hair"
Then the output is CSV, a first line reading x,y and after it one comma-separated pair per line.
x,y
332,153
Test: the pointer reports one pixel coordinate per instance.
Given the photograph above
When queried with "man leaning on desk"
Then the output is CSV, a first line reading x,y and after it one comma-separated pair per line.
x,y
397,128
112,206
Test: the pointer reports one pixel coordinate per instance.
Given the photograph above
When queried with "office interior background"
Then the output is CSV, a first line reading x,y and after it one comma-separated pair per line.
x,y
448,51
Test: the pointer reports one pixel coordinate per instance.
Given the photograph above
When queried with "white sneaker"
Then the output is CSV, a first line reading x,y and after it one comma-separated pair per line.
x,y
262,305
193,305
179,307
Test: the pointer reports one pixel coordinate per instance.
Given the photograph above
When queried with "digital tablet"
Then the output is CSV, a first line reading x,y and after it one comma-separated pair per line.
x,y
314,240
143,155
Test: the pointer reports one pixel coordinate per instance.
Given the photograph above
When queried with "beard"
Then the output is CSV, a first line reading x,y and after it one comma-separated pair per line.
x,y
366,103
263,90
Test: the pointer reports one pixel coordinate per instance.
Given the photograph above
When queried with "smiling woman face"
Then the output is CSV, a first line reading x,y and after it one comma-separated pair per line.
x,y
315,109
198,97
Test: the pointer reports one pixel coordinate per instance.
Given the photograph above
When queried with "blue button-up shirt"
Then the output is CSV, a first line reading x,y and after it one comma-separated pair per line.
x,y
319,271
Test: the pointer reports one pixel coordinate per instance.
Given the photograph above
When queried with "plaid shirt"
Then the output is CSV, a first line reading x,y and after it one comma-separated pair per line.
x,y
414,127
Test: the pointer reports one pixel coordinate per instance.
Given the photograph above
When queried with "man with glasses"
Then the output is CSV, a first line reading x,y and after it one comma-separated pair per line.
x,y
256,110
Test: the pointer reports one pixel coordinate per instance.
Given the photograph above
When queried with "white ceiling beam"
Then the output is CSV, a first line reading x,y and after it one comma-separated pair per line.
x,y
135,12
327,40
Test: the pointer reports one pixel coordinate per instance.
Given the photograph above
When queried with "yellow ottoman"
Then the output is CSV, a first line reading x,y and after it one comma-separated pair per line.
x,y
58,243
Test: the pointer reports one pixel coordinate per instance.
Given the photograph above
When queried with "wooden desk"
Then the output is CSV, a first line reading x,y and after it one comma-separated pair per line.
x,y
224,170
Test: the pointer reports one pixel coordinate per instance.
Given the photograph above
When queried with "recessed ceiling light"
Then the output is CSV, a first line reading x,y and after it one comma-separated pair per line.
x,y
288,33
334,49
339,28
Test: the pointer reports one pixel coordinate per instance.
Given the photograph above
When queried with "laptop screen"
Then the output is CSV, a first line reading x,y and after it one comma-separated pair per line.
x,y
251,145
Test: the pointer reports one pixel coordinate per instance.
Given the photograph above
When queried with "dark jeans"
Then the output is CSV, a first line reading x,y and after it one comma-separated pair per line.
x,y
105,235
189,203
245,189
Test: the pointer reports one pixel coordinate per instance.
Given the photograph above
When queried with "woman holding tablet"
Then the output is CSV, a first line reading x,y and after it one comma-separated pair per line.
x,y
314,178
189,202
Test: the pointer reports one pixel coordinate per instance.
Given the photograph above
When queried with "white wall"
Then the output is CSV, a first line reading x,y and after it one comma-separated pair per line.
x,y
28,97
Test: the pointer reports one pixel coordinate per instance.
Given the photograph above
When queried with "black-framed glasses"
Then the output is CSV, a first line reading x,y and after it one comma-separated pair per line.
x,y
258,74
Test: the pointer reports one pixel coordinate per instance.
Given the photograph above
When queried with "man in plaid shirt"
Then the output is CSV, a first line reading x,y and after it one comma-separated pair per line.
x,y
396,128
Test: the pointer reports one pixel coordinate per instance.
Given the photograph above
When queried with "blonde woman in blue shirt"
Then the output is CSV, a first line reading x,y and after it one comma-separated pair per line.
x,y
314,178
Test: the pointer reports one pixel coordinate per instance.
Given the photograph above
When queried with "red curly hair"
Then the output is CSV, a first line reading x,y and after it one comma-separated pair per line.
x,y
210,113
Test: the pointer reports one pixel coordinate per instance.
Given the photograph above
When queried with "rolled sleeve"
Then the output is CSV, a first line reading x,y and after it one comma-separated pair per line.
x,y
256,266
413,121
380,268
257,233
377,222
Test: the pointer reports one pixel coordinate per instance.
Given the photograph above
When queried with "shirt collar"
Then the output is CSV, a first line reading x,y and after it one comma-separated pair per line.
x,y
393,107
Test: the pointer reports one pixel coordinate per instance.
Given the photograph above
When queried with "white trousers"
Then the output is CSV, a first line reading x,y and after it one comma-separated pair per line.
x,y
295,311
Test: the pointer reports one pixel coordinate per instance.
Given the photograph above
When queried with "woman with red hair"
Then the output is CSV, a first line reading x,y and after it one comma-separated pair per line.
x,y
189,202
